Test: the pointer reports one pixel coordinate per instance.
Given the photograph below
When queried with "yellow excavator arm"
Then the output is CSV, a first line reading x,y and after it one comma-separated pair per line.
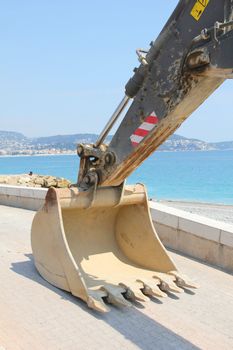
x,y
96,239
191,57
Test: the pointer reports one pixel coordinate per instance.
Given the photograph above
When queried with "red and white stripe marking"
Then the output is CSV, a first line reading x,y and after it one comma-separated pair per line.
x,y
143,130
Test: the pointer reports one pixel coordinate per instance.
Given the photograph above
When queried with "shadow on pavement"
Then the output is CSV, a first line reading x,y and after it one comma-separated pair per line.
x,y
135,326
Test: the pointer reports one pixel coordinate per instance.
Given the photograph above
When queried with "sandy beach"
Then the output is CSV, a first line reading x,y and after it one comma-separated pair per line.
x,y
219,212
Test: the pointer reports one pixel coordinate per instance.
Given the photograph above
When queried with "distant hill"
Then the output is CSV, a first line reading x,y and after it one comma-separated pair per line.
x,y
180,143
227,145
9,136
16,143
65,139
11,141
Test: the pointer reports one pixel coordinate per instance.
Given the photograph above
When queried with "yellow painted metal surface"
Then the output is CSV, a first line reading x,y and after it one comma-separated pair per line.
x,y
199,8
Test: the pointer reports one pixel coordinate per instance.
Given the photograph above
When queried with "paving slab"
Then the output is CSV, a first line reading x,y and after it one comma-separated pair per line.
x,y
35,315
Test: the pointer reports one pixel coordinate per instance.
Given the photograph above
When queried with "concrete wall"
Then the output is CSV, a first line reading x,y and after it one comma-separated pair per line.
x,y
199,237
22,197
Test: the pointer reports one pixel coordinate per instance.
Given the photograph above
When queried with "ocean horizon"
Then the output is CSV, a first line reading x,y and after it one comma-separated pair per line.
x,y
202,176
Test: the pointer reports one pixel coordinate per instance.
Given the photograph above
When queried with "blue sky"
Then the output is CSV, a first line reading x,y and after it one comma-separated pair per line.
x,y
64,65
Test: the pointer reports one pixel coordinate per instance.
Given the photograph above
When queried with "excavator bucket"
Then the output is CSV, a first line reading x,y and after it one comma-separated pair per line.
x,y
101,246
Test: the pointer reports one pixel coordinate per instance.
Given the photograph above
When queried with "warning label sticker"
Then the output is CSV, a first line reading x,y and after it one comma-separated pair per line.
x,y
199,8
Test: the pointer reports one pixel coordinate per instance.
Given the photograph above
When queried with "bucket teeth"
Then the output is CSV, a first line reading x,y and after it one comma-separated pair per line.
x,y
167,283
150,288
96,302
182,281
114,295
136,294
133,291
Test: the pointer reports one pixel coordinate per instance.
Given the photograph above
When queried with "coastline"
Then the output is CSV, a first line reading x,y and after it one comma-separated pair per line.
x,y
74,153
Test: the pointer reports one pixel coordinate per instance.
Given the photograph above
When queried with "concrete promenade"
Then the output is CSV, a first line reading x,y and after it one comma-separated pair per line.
x,y
35,315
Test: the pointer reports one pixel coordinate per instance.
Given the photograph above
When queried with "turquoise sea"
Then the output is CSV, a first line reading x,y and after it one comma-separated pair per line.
x,y
195,176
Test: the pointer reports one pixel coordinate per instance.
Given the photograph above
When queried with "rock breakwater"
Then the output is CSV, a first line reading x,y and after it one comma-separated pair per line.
x,y
34,180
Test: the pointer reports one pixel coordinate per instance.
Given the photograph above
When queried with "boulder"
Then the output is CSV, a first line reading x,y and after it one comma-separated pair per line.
x,y
39,181
61,183
50,182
